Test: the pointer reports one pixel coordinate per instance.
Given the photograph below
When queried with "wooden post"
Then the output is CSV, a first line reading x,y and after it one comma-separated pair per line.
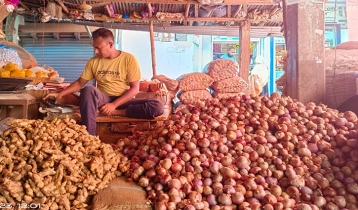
x,y
152,46
305,41
244,37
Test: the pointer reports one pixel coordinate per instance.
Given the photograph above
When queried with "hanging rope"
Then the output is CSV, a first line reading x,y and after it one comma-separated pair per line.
x,y
335,50
43,37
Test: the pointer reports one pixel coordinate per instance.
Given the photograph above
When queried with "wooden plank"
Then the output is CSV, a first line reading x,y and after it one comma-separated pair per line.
x,y
244,7
186,14
209,16
244,37
226,2
256,32
127,120
210,19
236,13
108,10
24,5
64,8
196,11
228,11
152,44
50,27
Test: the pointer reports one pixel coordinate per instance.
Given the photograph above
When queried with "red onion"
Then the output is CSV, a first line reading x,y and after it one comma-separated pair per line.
x,y
225,199
211,199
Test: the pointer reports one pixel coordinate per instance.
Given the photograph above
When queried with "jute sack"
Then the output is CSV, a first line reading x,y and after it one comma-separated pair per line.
x,y
190,97
120,195
195,81
222,69
341,67
230,85
171,84
28,60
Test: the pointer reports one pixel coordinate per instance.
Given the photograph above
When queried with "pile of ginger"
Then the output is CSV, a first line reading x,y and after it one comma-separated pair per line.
x,y
54,164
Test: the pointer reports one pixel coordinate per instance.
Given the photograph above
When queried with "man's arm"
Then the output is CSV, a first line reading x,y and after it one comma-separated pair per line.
x,y
72,88
129,94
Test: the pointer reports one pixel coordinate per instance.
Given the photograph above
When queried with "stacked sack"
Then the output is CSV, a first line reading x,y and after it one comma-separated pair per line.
x,y
194,87
226,83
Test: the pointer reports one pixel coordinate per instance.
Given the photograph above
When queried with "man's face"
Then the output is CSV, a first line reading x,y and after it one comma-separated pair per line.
x,y
102,47
231,52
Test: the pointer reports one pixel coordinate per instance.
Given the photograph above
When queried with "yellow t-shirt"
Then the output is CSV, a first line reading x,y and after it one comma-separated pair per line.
x,y
113,75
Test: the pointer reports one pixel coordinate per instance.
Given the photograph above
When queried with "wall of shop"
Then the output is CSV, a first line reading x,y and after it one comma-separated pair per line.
x,y
173,58
207,50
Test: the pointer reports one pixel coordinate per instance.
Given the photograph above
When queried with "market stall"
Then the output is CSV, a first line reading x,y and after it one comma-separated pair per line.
x,y
220,150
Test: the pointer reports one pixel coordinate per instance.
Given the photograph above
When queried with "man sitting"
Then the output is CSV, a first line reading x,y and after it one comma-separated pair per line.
x,y
117,74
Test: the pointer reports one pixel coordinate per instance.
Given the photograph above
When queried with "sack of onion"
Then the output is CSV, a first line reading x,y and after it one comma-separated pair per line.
x,y
189,97
248,153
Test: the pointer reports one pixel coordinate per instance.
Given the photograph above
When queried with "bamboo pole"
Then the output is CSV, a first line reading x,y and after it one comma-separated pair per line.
x,y
152,46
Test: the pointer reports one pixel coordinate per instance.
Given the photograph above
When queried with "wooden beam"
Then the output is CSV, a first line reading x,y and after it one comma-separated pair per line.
x,y
196,11
226,2
64,8
236,13
108,11
24,5
244,37
209,16
245,10
228,11
51,27
32,5
186,14
255,32
152,44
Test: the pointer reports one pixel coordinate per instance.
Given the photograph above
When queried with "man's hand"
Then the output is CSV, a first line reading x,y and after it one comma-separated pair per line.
x,y
108,108
57,96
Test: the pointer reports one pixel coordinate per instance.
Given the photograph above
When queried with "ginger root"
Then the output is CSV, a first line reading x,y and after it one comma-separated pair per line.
x,y
54,163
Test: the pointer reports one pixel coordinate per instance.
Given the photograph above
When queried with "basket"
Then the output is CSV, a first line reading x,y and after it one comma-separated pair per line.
x,y
37,80
13,84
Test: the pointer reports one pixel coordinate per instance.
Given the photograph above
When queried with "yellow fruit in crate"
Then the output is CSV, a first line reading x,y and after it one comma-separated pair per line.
x,y
52,74
11,66
41,74
29,73
4,73
17,73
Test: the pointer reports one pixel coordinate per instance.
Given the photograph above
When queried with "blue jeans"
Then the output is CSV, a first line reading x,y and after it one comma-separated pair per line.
x,y
91,99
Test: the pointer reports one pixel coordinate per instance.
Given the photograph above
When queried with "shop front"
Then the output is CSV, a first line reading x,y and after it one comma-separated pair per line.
x,y
221,45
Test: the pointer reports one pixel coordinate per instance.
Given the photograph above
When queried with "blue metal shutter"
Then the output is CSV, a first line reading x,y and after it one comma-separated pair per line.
x,y
68,56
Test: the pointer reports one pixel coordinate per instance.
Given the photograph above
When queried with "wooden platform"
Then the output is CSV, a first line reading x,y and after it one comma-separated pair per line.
x,y
111,129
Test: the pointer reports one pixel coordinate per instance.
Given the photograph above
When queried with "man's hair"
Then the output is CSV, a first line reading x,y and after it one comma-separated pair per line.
x,y
102,32
231,48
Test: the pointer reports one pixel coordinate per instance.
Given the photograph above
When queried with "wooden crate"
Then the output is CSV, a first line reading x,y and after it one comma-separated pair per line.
x,y
111,129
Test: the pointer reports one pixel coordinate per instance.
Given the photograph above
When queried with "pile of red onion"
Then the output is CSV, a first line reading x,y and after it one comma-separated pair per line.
x,y
245,152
